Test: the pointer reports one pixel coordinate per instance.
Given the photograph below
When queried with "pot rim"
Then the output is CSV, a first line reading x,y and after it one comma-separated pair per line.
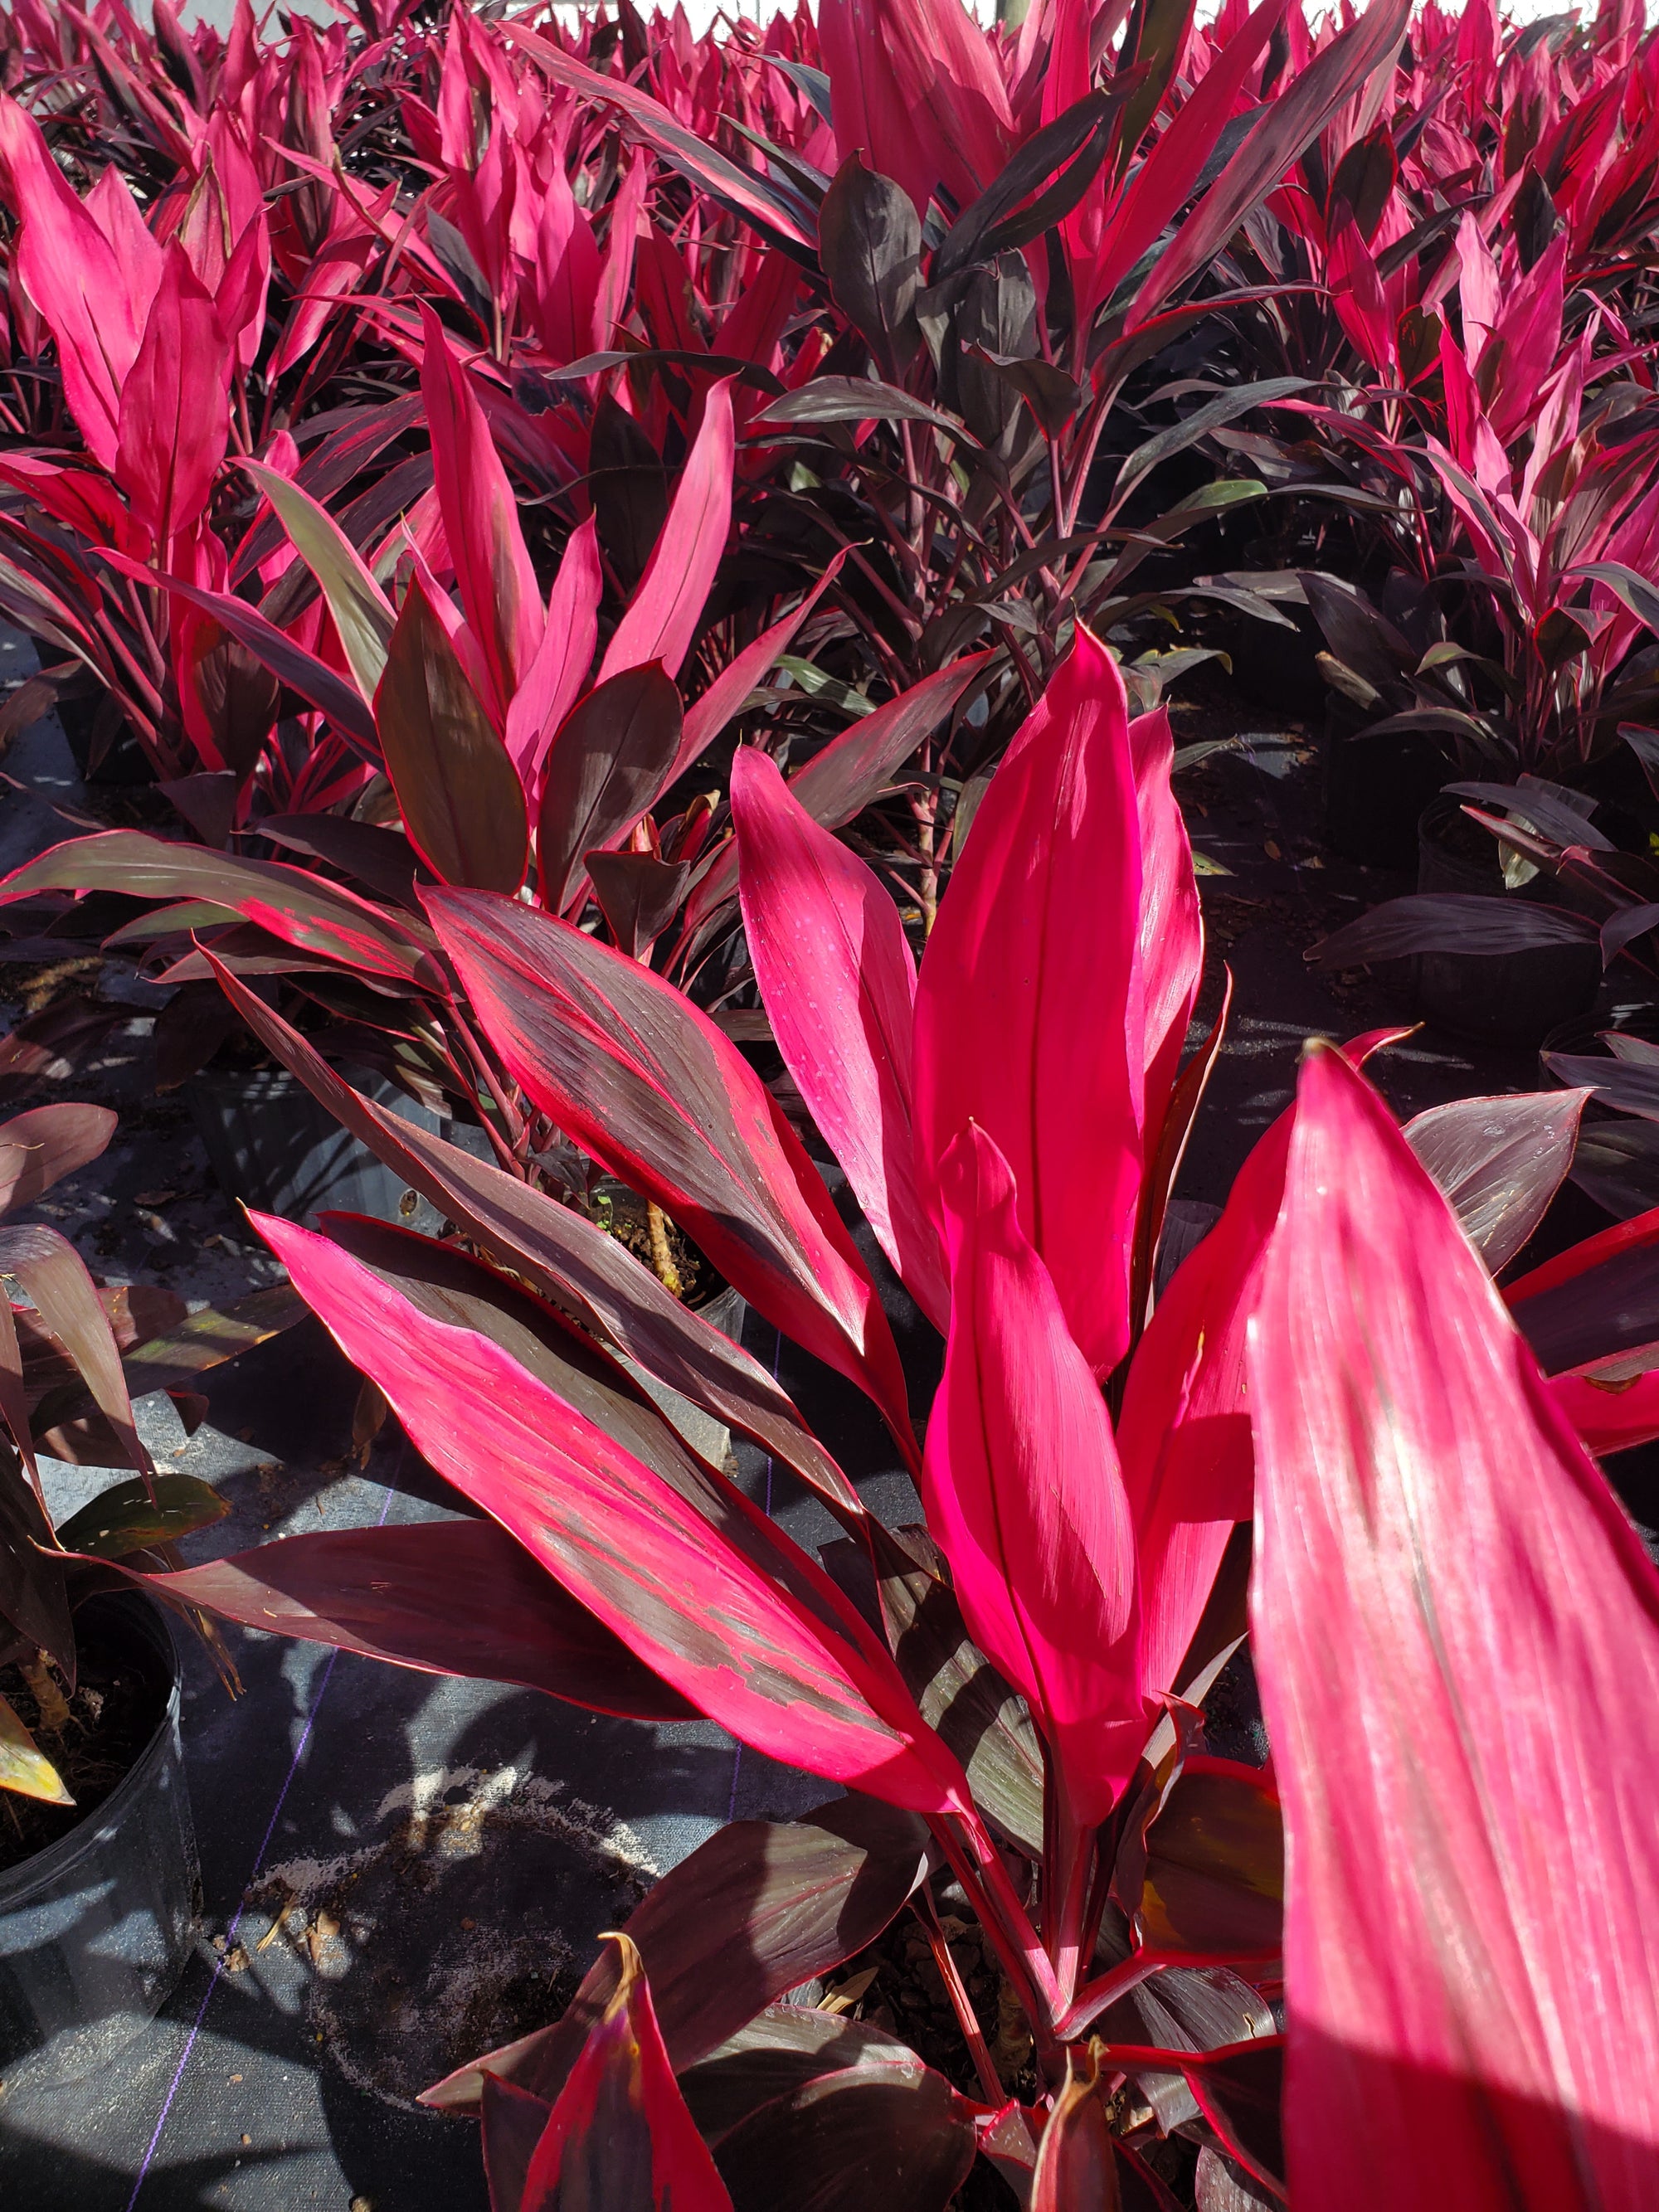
x,y
47,1867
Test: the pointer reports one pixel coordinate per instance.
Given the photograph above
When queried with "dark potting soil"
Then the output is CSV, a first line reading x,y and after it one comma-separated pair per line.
x,y
93,1738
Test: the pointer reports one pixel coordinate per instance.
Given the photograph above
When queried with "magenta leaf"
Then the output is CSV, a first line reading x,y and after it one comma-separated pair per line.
x,y
642,1079
1029,1014
717,1600
838,982
663,615
444,1597
499,597
1021,1484
1448,1604
620,2133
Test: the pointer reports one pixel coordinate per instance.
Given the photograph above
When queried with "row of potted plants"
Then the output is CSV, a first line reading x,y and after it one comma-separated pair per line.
x,y
607,543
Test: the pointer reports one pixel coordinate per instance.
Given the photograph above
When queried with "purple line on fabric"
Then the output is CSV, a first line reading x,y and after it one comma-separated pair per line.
x,y
294,1765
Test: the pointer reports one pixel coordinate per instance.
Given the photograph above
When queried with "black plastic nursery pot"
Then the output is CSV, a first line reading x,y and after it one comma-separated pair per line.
x,y
1516,999
1377,790
272,1146
95,1927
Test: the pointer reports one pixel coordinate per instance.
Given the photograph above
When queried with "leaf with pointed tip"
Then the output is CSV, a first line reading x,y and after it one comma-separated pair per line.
x,y
1021,1483
55,1277
1466,922
642,1078
839,984
1030,1009
639,896
497,584
568,1259
1077,2165
619,2135
1227,407
457,788
313,679
857,399
363,615
294,904
663,614
1295,118
748,195
1499,1162
1595,1309
870,243
132,1516
709,713
612,758
174,419
742,1623
41,1146
757,1909
24,1767
1424,1511
554,681
443,1597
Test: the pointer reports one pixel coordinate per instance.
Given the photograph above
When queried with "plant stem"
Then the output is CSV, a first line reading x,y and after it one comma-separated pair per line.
x,y
967,2018
662,1259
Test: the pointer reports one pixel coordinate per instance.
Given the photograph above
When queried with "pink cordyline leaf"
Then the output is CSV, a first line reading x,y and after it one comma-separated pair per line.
x,y
838,982
1456,1632
1158,188
553,680
1029,1012
1021,1484
916,83
620,2134
720,1603
497,584
1184,1433
663,615
1171,920
645,1082
710,712
1609,1417
74,276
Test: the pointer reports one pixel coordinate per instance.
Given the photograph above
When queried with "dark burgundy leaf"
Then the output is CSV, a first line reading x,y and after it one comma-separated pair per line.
x,y
1499,1162
638,896
458,790
1450,921
610,759
443,1597
758,1909
571,1260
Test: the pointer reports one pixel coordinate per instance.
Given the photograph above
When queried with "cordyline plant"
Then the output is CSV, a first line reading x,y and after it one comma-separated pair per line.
x,y
73,1356
1010,1696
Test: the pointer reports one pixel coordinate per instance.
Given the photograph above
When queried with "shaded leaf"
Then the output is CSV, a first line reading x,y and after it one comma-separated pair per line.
x,y
612,756
126,1517
444,1597
1499,1162
458,791
759,1908
619,2135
